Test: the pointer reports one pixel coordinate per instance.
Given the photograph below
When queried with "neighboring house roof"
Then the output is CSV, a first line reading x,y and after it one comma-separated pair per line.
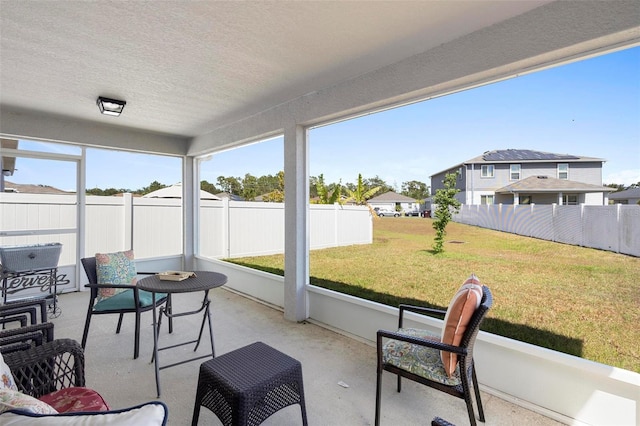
x,y
522,155
391,197
175,191
33,189
625,195
231,197
550,184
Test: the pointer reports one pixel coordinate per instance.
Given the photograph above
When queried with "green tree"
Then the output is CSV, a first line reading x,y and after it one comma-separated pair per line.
x,y
446,203
153,186
230,184
249,187
209,187
328,194
415,189
277,195
617,186
377,182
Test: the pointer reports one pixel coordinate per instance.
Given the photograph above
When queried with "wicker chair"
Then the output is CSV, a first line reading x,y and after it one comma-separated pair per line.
x,y
134,304
51,366
16,311
17,339
465,373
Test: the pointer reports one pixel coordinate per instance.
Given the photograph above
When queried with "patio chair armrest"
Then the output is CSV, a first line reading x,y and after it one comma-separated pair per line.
x,y
28,333
435,344
418,310
25,306
124,286
52,366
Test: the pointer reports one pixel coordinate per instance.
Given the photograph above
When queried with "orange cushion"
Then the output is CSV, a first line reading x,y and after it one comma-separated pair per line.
x,y
461,309
75,399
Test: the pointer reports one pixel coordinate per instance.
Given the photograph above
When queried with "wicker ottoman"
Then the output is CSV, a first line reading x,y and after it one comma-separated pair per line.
x,y
246,386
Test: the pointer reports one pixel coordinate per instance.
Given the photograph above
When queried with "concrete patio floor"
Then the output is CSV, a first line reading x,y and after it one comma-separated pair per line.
x,y
327,358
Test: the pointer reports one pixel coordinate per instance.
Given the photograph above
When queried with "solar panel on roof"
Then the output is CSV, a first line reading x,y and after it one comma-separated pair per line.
x,y
524,154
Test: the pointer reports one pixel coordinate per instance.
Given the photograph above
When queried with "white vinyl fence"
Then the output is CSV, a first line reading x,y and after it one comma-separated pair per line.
x,y
153,227
613,228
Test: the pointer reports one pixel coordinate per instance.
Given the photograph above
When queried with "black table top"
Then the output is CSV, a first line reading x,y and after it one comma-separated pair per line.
x,y
204,280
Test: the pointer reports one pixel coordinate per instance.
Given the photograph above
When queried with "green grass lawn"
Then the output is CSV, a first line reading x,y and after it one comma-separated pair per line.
x,y
576,300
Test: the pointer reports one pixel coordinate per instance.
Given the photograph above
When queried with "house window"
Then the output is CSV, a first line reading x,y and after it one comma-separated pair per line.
x,y
569,199
563,171
514,172
486,199
486,171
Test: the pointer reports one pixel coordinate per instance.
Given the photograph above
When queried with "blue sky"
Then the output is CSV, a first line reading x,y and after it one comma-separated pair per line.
x,y
589,108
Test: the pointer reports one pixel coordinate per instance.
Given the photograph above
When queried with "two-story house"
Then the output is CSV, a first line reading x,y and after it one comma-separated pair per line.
x,y
523,176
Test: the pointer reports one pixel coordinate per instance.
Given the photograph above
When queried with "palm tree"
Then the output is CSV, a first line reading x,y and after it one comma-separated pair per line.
x,y
324,196
360,195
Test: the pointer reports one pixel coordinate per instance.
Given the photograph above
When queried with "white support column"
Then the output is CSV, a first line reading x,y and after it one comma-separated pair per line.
x,y
190,210
296,223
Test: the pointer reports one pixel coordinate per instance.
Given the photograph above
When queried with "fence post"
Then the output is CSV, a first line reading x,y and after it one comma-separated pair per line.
x,y
225,231
582,225
554,221
127,228
618,226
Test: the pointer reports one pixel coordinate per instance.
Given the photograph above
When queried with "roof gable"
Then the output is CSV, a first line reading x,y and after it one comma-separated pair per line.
x,y
550,184
526,155
391,197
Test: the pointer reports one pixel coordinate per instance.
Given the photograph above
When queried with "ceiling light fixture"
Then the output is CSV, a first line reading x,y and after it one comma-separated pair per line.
x,y
110,106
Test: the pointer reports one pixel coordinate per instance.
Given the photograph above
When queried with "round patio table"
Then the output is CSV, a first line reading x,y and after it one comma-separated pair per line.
x,y
202,281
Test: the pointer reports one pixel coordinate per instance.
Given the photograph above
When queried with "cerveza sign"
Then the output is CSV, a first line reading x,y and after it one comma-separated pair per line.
x,y
26,282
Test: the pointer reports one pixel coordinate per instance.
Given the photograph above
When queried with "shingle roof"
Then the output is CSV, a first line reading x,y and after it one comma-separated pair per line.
x,y
550,184
34,189
623,195
391,197
519,155
511,155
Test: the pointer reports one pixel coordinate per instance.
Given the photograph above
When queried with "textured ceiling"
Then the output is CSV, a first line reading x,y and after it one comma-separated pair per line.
x,y
185,68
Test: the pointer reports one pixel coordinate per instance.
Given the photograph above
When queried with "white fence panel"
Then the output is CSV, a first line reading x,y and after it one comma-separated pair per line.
x,y
256,228
157,227
541,221
213,239
354,226
613,228
323,226
104,226
601,227
629,230
153,227
568,225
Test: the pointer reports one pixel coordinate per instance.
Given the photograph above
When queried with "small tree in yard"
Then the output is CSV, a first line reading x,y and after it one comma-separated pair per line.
x,y
446,203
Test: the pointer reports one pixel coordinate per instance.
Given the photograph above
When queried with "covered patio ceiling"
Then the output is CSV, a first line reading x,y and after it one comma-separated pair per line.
x,y
192,73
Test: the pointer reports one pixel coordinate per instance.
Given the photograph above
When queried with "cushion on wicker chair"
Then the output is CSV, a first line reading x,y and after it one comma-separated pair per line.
x,y
124,300
420,360
75,399
115,268
6,377
461,309
15,400
150,414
